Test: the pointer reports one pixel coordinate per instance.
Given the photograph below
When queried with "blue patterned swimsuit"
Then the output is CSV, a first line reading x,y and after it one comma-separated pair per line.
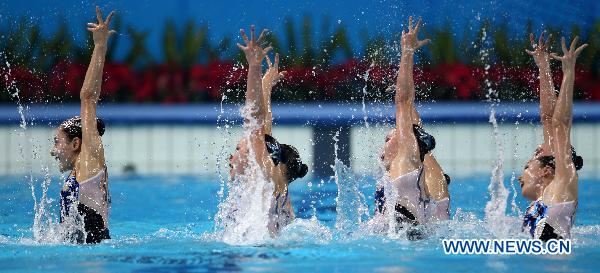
x,y
547,222
95,229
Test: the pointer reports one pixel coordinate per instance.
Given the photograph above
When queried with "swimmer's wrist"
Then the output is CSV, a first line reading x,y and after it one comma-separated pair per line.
x,y
101,45
254,65
545,66
569,71
407,54
408,49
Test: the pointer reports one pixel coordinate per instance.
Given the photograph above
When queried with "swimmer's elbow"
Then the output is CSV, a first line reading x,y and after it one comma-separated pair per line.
x,y
546,119
402,97
560,122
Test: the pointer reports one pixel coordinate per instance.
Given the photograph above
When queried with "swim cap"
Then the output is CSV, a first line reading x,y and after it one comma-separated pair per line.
x,y
293,162
273,148
425,141
288,155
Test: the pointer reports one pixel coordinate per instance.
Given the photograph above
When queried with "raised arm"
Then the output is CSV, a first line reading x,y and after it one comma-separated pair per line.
x,y
541,56
405,96
92,151
271,78
564,186
254,94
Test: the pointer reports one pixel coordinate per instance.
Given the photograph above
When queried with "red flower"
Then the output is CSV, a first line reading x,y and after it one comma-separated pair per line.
x,y
198,78
118,77
26,83
164,81
67,77
338,75
460,77
215,77
424,76
298,75
592,89
221,75
146,88
381,74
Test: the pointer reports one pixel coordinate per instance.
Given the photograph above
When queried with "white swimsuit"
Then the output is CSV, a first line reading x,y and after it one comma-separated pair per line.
x,y
437,210
412,196
93,194
561,217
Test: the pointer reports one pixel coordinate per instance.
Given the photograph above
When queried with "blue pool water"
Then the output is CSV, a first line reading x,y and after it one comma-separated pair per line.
x,y
165,224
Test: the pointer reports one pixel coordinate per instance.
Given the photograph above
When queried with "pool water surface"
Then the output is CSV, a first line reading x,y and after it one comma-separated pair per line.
x,y
166,224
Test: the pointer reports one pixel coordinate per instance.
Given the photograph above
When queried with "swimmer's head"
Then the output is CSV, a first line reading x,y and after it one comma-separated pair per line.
x,y
238,159
425,141
284,156
544,148
67,142
287,157
539,172
293,163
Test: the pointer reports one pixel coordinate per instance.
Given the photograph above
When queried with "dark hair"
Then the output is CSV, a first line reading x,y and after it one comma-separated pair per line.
x,y
72,127
447,177
549,160
425,141
291,158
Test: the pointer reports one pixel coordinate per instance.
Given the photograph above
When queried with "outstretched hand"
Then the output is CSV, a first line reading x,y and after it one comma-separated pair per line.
x,y
100,30
272,75
569,55
253,49
541,50
410,41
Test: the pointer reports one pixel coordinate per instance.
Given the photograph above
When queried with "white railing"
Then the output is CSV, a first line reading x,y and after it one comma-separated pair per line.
x,y
167,140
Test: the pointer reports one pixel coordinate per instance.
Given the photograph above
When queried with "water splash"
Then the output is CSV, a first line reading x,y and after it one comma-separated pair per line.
x,y
364,95
302,232
495,209
13,90
380,224
46,227
351,204
225,135
12,85
515,210
243,216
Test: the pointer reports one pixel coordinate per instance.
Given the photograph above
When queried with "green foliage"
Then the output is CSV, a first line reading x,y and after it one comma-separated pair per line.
x,y
376,50
443,47
25,46
590,57
170,43
138,54
308,55
291,57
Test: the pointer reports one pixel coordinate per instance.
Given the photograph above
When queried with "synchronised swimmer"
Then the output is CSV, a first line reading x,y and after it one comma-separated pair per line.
x,y
415,188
